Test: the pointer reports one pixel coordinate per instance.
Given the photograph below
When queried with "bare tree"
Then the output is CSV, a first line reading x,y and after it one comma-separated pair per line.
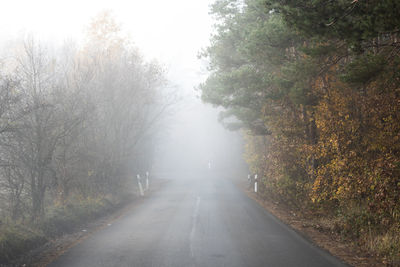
x,y
77,120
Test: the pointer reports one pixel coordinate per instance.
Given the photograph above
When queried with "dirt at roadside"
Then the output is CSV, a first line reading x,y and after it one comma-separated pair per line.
x,y
314,232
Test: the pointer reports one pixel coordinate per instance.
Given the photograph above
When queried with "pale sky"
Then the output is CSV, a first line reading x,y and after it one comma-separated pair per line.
x,y
170,31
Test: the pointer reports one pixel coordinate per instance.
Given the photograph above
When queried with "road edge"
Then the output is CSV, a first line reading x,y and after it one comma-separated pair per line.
x,y
53,249
346,252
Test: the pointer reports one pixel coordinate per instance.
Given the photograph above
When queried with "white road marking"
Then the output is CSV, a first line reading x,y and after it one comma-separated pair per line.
x,y
192,232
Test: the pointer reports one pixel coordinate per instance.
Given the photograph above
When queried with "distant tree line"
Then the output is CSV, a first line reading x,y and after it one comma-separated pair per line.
x,y
75,122
316,86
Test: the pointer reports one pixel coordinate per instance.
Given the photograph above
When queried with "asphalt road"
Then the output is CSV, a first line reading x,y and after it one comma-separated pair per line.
x,y
196,221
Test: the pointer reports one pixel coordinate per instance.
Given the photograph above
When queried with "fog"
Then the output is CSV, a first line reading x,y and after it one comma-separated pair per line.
x,y
113,150
195,141
83,118
172,34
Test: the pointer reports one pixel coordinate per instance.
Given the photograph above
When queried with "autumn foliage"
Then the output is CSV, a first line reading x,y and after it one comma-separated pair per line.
x,y
327,96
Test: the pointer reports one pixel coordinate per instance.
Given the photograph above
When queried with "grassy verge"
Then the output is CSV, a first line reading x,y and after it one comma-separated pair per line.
x,y
18,238
66,218
378,239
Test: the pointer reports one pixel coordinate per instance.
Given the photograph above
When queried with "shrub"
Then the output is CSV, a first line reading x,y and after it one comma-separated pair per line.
x,y
17,239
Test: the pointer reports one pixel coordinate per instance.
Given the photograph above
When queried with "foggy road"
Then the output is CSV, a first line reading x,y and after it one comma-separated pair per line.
x,y
196,221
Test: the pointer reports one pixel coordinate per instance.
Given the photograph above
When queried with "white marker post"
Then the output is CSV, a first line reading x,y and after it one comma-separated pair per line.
x,y
255,183
147,181
140,185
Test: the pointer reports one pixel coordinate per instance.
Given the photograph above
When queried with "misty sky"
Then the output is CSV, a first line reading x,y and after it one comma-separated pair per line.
x,y
172,32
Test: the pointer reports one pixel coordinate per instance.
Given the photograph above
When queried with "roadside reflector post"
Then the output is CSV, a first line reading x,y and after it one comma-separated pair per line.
x,y
140,185
147,181
255,183
249,181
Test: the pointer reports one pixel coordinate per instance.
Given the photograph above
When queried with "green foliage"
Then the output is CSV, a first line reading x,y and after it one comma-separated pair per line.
x,y
364,69
241,80
353,21
357,222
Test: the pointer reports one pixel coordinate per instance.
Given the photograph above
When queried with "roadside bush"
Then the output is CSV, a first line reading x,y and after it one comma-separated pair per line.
x,y
65,219
17,239
387,245
356,222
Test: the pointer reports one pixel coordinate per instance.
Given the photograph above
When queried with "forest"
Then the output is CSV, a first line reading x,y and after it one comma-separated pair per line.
x,y
315,88
77,123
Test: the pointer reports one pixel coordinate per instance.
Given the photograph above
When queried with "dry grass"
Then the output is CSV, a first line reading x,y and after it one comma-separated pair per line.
x,y
386,246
